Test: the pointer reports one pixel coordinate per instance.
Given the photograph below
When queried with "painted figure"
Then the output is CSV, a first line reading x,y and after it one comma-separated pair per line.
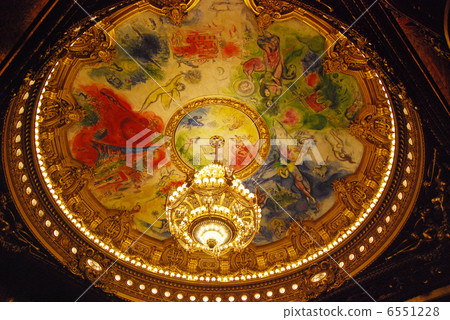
x,y
167,93
110,123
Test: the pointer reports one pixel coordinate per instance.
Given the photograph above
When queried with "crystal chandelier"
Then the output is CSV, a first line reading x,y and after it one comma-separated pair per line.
x,y
213,211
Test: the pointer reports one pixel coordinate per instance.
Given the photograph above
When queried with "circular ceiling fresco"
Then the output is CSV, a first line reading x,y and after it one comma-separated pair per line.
x,y
116,121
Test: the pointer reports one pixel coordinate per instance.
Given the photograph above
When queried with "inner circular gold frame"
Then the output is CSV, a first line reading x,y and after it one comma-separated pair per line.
x,y
252,114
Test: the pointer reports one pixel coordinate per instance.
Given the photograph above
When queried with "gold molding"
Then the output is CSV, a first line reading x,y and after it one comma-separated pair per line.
x,y
260,125
268,11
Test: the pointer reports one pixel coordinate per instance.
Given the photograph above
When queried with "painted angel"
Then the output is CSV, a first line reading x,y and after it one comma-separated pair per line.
x,y
167,93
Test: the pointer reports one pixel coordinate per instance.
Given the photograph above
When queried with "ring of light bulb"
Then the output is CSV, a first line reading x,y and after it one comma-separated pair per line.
x,y
191,277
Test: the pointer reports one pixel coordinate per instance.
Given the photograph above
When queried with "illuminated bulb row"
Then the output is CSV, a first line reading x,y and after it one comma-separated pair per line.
x,y
214,209
211,170
209,182
204,178
176,194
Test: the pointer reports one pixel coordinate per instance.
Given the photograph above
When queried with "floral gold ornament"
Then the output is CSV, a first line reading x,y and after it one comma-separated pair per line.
x,y
267,11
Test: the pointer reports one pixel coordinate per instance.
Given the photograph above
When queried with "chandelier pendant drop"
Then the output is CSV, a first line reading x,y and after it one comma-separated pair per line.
x,y
212,211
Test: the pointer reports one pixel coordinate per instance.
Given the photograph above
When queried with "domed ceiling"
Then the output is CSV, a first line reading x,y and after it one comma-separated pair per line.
x,y
120,117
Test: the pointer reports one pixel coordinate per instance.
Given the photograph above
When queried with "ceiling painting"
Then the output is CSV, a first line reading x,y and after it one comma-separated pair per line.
x,y
130,109
157,68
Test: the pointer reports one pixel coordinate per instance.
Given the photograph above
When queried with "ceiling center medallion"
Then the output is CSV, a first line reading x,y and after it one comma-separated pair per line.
x,y
244,131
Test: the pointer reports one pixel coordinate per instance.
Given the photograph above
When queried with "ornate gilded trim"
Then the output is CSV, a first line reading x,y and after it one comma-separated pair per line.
x,y
267,11
260,124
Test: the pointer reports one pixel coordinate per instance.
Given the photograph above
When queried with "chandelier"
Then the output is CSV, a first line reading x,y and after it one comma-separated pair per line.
x,y
212,211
